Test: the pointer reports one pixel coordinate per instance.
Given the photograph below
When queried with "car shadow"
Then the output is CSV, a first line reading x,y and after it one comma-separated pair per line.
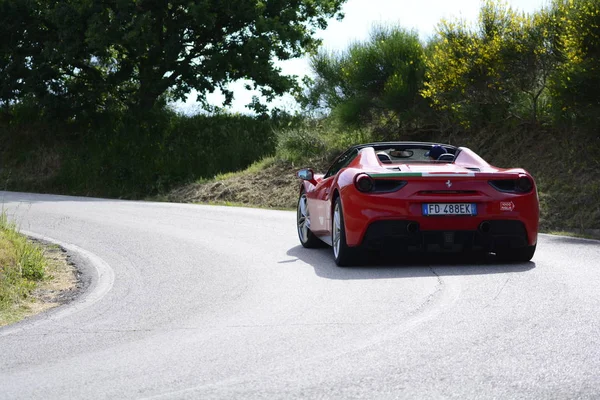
x,y
385,266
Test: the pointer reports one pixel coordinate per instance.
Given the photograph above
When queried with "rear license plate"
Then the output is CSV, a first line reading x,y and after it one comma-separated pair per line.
x,y
450,209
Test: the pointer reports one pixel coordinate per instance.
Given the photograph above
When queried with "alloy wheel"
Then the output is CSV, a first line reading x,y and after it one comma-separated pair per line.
x,y
336,231
303,219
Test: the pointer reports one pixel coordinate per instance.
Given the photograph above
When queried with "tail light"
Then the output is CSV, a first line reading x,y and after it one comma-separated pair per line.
x,y
364,183
523,184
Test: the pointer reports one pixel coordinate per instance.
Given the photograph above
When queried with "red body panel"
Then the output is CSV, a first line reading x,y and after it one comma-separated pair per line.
x,y
448,181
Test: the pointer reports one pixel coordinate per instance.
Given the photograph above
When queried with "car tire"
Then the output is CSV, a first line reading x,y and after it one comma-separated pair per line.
x,y
307,238
343,254
523,254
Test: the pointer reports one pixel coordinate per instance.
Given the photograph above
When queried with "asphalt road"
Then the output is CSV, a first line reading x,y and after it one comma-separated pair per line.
x,y
203,302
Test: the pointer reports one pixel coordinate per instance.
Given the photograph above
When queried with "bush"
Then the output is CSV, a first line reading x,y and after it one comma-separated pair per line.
x,y
318,141
300,144
133,155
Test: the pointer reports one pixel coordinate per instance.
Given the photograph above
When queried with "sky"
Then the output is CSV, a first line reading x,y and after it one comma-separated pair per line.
x,y
360,16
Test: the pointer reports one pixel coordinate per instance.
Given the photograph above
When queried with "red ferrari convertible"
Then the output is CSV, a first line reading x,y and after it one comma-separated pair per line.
x,y
417,196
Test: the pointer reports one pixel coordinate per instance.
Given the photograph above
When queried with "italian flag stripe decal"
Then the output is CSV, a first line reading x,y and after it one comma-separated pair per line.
x,y
396,174
424,174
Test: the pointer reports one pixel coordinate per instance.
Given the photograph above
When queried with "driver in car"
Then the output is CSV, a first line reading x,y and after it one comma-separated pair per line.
x,y
435,152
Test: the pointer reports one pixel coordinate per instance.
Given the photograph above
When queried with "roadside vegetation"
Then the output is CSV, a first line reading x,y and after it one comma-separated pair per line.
x,y
22,266
34,276
521,90
127,156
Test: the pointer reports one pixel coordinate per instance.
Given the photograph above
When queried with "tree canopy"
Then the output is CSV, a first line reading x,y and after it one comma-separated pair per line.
x,y
83,54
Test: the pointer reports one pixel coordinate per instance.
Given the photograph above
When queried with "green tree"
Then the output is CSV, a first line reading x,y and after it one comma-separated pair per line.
x,y
576,84
530,58
496,71
22,70
376,81
135,52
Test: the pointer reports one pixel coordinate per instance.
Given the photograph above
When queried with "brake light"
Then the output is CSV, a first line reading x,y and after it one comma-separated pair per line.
x,y
364,183
523,184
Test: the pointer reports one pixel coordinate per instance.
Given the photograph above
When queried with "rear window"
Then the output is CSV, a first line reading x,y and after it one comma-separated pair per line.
x,y
408,154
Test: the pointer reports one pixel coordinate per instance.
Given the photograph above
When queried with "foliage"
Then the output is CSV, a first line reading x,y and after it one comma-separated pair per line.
x,y
134,159
576,84
373,81
82,56
498,70
133,155
530,58
316,142
300,144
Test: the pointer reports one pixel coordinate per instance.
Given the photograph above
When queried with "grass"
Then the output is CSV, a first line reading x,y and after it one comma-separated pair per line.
x,y
243,205
22,266
255,167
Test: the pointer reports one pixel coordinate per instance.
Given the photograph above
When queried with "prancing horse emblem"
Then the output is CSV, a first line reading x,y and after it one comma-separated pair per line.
x,y
448,183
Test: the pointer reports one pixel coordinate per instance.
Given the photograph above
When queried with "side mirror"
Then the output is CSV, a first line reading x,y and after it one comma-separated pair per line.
x,y
306,174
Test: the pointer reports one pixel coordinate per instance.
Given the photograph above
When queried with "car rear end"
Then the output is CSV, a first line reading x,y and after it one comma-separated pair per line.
x,y
442,209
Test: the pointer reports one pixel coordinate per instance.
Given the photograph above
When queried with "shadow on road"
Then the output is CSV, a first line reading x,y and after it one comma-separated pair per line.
x,y
401,266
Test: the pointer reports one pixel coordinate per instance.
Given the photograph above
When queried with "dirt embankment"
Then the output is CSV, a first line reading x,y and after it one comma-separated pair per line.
x,y
276,186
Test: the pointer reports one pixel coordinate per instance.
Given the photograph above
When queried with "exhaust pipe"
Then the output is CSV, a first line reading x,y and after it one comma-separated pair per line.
x,y
412,227
485,227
